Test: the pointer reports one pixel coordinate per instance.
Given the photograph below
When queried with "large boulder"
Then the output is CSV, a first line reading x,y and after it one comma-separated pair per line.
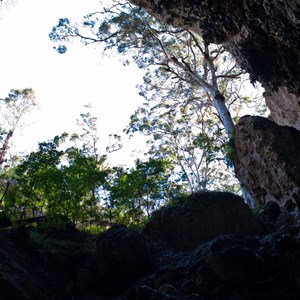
x,y
123,254
267,160
200,218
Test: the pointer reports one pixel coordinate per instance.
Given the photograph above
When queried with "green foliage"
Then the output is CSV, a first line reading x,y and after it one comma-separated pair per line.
x,y
135,193
188,136
94,229
63,177
229,148
57,182
66,179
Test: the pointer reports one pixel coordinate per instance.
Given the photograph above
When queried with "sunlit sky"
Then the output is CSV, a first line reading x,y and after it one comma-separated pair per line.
x,y
64,83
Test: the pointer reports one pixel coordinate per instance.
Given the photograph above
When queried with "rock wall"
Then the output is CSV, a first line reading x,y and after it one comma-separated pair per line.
x,y
284,107
267,160
263,35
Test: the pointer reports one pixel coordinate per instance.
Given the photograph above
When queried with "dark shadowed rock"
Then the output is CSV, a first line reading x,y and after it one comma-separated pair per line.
x,y
290,205
267,160
123,254
229,267
5,221
202,217
21,277
288,223
270,212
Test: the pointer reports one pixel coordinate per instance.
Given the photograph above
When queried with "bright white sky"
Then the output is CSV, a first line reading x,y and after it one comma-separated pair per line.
x,y
63,83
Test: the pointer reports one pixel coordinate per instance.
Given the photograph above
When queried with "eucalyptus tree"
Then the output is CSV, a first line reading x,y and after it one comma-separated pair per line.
x,y
13,108
181,72
86,136
180,53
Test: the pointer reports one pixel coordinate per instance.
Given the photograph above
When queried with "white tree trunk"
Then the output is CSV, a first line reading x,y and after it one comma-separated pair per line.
x,y
224,114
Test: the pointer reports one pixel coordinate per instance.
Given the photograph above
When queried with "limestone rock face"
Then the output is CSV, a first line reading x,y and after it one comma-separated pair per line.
x,y
202,217
263,35
267,160
284,107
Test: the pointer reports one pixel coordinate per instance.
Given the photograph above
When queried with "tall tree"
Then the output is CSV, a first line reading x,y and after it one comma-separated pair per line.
x,y
13,108
88,135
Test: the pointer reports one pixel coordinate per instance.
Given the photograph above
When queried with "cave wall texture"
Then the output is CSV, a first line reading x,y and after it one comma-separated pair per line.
x,y
263,35
267,160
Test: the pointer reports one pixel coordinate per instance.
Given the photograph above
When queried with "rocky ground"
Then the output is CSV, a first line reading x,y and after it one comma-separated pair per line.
x,y
209,246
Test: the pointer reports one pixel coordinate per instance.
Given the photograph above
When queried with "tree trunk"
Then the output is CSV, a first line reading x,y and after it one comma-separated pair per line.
x,y
224,114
